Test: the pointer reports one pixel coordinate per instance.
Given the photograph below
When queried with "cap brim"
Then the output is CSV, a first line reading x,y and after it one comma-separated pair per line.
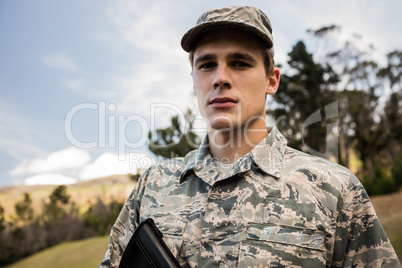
x,y
190,38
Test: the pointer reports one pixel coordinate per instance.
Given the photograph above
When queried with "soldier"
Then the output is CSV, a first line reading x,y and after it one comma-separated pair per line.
x,y
245,199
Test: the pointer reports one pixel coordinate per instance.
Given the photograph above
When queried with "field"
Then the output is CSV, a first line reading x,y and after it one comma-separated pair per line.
x,y
78,254
388,209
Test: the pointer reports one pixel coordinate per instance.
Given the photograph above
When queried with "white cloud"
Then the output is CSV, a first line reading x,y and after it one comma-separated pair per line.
x,y
60,61
49,178
149,25
61,160
109,164
373,25
74,83
158,71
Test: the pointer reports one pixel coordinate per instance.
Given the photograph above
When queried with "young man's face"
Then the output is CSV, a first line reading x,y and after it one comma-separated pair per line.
x,y
230,80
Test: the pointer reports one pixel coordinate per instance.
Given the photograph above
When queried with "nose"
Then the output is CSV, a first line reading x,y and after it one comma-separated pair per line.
x,y
222,79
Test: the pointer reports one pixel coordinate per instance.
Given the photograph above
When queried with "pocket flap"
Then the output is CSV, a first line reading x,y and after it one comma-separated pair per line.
x,y
287,235
289,212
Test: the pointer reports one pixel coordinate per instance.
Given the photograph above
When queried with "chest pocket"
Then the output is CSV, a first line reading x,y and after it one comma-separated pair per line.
x,y
281,246
286,238
289,212
172,230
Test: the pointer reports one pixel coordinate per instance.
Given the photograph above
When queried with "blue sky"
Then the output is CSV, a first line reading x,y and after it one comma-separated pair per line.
x,y
79,80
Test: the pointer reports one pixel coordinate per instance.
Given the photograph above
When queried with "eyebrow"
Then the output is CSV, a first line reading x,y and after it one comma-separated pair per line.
x,y
241,56
234,55
205,57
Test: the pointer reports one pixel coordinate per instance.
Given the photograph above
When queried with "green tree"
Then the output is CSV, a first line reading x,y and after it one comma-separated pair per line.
x,y
360,113
24,209
101,217
54,211
305,89
367,126
393,71
59,195
392,117
176,140
391,125
2,219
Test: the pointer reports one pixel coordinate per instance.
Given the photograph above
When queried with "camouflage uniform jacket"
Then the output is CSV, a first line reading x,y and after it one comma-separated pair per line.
x,y
278,207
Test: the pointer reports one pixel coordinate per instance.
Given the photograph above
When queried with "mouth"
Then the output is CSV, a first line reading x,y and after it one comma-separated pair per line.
x,y
222,102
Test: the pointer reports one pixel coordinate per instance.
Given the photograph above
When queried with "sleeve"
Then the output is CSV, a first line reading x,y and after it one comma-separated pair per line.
x,y
125,225
360,240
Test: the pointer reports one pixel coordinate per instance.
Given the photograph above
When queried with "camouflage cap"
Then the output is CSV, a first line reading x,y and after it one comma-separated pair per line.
x,y
246,18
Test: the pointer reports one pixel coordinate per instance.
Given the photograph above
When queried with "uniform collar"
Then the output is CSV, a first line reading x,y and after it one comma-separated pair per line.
x,y
268,155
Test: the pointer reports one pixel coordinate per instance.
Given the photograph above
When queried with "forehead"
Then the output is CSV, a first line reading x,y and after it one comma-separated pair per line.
x,y
228,40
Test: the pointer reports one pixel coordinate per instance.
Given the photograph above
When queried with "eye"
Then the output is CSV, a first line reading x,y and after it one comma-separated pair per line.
x,y
207,65
240,64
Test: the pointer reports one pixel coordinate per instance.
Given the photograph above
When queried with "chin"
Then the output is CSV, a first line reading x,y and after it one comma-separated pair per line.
x,y
223,123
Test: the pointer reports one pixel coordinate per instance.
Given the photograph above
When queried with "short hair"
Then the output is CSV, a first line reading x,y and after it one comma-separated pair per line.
x,y
268,54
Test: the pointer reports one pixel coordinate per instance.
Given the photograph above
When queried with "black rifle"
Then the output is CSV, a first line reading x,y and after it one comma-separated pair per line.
x,y
147,249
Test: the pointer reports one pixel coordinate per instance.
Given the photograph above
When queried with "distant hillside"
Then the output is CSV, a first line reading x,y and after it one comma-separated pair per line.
x,y
85,253
388,209
116,187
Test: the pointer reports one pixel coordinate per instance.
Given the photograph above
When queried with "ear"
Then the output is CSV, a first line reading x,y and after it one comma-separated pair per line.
x,y
273,81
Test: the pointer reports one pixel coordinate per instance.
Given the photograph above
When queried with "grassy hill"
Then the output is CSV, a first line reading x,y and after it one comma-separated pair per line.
x,y
388,209
86,253
116,187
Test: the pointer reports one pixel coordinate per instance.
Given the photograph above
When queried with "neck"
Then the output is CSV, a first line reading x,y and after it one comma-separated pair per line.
x,y
228,146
